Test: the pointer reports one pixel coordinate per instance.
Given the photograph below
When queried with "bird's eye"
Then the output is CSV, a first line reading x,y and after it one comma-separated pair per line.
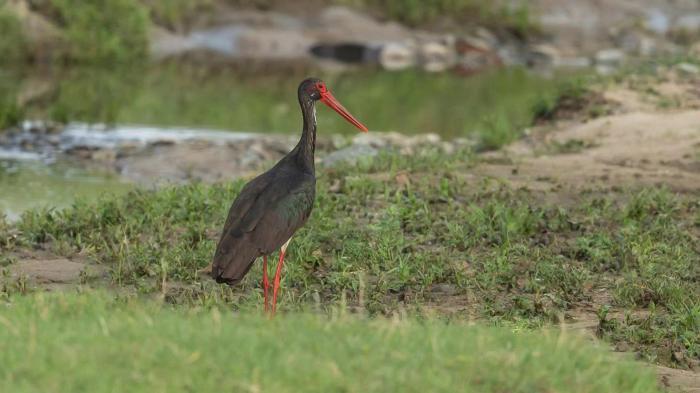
x,y
321,88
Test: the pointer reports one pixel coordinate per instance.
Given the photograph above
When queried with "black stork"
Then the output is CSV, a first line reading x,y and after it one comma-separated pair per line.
x,y
274,205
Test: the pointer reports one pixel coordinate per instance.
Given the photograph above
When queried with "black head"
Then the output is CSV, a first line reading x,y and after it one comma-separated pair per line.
x,y
311,89
314,89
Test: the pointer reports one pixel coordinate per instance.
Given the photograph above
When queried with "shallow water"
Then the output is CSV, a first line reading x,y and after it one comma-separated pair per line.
x,y
190,100
408,102
30,184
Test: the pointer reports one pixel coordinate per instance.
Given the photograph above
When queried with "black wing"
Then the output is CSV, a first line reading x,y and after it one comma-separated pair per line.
x,y
263,217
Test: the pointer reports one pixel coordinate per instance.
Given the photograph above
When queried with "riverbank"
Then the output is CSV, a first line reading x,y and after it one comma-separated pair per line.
x,y
589,223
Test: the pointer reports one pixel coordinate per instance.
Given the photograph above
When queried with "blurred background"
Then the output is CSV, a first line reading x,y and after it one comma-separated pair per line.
x,y
104,95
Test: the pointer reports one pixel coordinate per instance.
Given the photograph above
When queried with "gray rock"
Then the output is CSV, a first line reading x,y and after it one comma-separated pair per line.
x,y
695,50
610,57
394,139
657,21
436,56
548,54
574,62
351,154
343,24
396,56
688,68
689,22
234,42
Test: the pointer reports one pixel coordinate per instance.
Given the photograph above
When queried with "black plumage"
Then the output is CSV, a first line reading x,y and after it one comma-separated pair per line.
x,y
273,206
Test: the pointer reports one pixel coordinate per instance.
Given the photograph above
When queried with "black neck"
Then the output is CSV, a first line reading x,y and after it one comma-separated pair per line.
x,y
304,151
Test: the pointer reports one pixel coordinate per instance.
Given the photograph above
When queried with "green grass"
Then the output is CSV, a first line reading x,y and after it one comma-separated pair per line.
x,y
94,343
94,32
517,17
104,32
176,15
502,254
12,40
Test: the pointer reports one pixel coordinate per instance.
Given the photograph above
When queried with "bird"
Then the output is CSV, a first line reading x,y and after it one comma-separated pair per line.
x,y
274,205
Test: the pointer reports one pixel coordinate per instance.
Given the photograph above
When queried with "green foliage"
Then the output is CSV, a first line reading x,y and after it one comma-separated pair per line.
x,y
104,31
418,12
73,341
10,112
12,41
571,94
175,14
384,246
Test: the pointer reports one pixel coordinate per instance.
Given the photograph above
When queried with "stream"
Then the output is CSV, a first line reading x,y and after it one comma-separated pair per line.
x,y
170,104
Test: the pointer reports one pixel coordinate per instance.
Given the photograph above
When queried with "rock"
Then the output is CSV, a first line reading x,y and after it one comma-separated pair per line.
x,y
688,23
610,57
688,68
608,60
234,42
395,56
474,55
657,21
351,155
342,24
487,37
382,140
647,46
275,44
436,56
544,55
574,62
373,139
105,155
695,50
512,54
163,43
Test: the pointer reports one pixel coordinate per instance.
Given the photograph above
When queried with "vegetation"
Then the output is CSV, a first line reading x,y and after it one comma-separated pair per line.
x,y
108,31
10,111
12,41
515,17
112,31
116,30
417,235
149,347
176,15
493,107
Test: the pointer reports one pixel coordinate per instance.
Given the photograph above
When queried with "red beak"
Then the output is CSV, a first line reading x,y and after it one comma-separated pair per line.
x,y
328,99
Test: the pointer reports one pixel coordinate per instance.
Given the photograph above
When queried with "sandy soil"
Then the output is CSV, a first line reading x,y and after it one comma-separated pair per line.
x,y
52,273
641,144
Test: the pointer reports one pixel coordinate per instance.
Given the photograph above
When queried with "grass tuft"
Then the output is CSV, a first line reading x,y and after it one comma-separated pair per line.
x,y
73,341
399,234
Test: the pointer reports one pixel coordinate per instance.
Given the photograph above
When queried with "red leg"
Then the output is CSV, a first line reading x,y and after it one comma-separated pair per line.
x,y
277,280
266,283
